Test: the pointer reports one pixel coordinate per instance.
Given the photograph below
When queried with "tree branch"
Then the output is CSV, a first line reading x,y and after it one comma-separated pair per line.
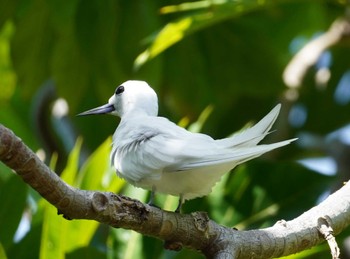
x,y
195,231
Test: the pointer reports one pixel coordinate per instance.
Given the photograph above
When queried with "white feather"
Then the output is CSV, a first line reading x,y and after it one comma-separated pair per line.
x,y
153,153
255,134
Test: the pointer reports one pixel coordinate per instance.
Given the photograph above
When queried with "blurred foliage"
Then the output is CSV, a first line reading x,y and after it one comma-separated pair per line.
x,y
225,58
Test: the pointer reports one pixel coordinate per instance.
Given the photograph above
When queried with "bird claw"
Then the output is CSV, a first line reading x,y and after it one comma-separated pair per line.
x,y
178,209
151,203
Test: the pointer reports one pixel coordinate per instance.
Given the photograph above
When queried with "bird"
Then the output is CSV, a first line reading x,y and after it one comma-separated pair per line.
x,y
155,154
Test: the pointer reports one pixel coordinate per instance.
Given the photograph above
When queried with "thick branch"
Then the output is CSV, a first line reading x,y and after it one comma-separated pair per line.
x,y
195,231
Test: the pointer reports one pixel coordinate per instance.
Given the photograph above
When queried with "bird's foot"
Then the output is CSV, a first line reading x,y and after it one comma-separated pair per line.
x,y
151,199
151,203
181,201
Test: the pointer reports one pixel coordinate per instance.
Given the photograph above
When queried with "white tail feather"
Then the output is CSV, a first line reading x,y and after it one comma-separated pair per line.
x,y
253,135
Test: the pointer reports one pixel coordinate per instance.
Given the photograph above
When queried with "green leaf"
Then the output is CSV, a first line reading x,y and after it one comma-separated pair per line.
x,y
97,173
127,244
208,14
32,45
54,234
134,246
8,77
79,233
319,251
5,173
169,35
13,193
2,252
203,117
88,252
60,236
70,172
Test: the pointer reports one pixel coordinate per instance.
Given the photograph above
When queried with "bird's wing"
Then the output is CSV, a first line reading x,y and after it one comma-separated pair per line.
x,y
233,156
146,151
253,135
152,151
163,153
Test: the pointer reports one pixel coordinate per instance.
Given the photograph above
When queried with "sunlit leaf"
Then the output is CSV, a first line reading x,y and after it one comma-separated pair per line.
x,y
198,125
134,247
320,251
53,161
79,234
54,234
171,34
208,13
2,252
8,77
189,6
129,243
97,173
70,172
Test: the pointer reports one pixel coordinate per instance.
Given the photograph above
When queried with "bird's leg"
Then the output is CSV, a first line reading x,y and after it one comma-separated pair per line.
x,y
151,198
181,200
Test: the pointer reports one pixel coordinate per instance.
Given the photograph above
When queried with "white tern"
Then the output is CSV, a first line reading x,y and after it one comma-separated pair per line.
x,y
153,153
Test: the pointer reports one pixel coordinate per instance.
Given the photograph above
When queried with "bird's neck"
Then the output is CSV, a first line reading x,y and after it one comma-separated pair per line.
x,y
137,113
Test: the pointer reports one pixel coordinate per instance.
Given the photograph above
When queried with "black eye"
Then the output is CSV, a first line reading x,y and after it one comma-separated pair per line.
x,y
119,90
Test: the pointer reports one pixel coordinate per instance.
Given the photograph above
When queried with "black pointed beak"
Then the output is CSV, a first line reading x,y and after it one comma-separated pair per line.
x,y
107,108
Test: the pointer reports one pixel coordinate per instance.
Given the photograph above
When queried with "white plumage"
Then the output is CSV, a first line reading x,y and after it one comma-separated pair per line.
x,y
155,154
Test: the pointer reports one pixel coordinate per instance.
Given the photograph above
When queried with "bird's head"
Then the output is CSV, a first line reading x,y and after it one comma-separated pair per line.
x,y
131,96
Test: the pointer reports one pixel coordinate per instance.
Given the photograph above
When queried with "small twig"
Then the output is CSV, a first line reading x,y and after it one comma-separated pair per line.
x,y
324,226
297,68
